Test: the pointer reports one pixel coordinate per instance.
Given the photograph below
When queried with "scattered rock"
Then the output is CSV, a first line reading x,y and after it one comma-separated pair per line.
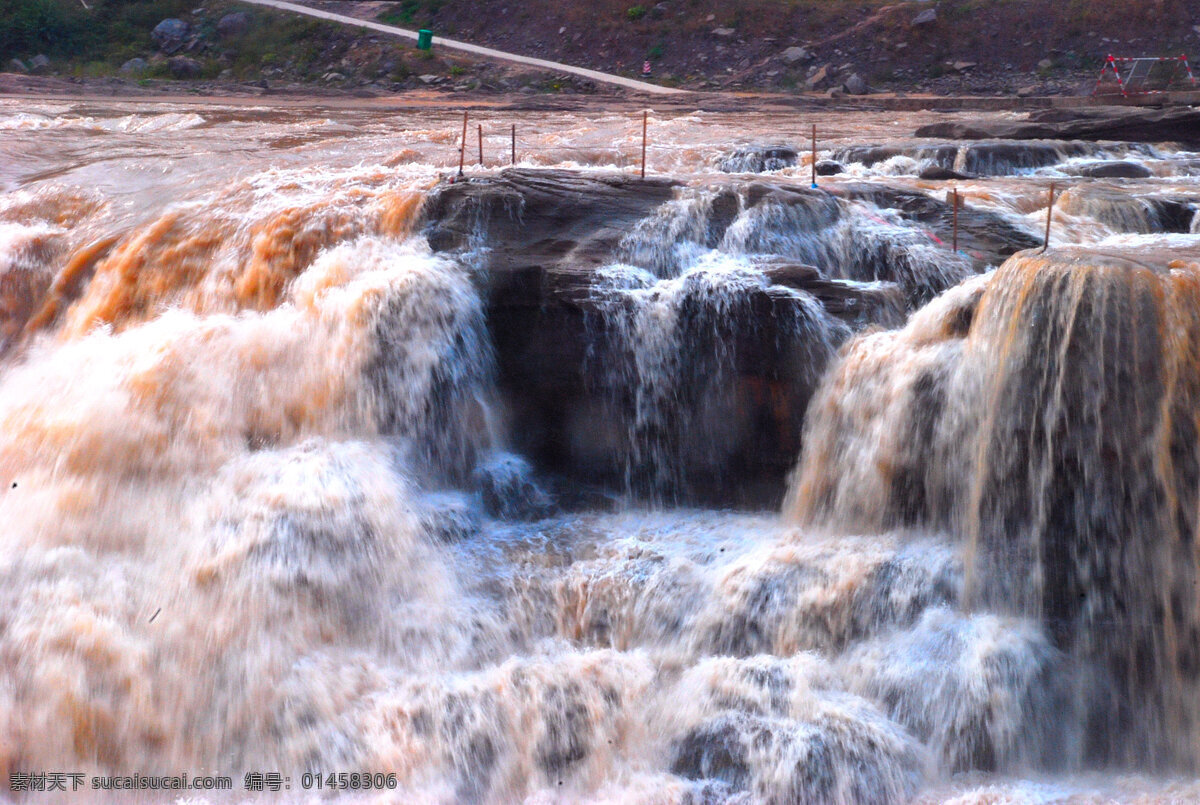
x,y
855,85
963,66
39,64
1045,64
233,24
184,67
170,34
428,78
926,17
506,486
333,77
793,55
723,32
836,92
829,167
135,66
938,173
1028,91
1115,170
818,78
18,66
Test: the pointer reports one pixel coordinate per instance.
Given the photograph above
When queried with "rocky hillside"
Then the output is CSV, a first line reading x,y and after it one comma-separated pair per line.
x,y
942,47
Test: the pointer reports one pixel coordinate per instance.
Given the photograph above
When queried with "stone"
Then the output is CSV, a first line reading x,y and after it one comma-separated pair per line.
x,y
1120,169
836,92
184,67
135,66
963,66
818,78
938,173
333,77
18,66
926,17
1027,91
1143,125
793,55
170,34
39,64
829,167
233,24
428,78
724,32
1045,64
855,85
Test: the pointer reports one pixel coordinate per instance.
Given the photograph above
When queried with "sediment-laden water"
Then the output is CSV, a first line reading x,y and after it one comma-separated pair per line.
x,y
556,484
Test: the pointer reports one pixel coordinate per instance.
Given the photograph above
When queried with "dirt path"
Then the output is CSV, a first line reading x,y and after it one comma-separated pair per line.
x,y
594,75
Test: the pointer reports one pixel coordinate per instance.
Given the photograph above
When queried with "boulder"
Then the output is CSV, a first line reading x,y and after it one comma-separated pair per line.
x,y
183,67
1120,169
963,66
1045,64
39,64
135,66
18,66
1028,91
926,17
819,77
829,167
794,55
855,85
938,173
1143,125
170,35
233,24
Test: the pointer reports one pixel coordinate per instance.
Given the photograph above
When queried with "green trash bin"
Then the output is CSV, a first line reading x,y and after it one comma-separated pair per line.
x,y
424,39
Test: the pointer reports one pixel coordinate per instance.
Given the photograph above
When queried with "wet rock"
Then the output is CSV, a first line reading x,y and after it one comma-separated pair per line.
x,y
1181,125
938,173
233,24
184,67
829,167
780,760
135,66
449,517
505,483
926,17
975,689
170,35
1115,170
39,64
18,66
759,158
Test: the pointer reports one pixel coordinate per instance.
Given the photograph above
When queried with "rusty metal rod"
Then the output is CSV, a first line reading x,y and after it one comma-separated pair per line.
x,y
481,145
462,149
514,144
814,155
955,241
645,123
1049,212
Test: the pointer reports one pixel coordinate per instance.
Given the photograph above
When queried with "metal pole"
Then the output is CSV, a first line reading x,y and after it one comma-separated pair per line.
x,y
481,145
462,150
514,144
645,123
814,156
1049,211
955,220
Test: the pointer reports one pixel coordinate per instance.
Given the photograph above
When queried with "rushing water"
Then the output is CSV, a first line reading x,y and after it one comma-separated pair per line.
x,y
265,505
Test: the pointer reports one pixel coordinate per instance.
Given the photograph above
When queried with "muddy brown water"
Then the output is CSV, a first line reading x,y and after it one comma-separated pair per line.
x,y
263,508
